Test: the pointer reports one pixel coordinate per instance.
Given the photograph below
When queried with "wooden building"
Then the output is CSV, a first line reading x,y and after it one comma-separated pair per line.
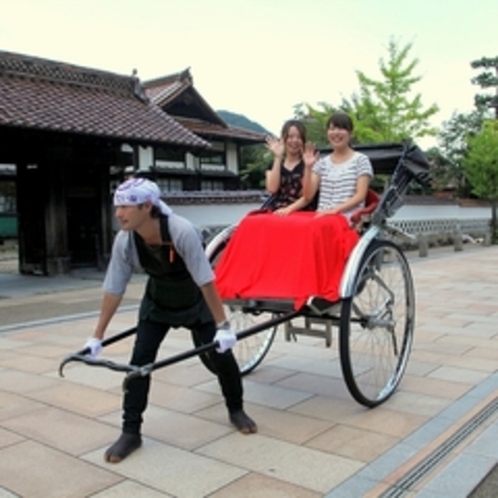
x,y
213,169
70,131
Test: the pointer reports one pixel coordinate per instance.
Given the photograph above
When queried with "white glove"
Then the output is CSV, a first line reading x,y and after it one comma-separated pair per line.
x,y
226,339
94,345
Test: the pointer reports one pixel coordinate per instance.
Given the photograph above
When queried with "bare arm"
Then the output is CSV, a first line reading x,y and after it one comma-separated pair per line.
x,y
273,175
311,180
110,303
214,302
295,206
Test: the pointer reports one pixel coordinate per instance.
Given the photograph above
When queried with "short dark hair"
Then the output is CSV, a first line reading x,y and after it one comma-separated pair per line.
x,y
155,211
296,124
340,120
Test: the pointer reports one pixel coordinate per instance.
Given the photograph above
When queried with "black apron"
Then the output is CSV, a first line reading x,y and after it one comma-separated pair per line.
x,y
171,295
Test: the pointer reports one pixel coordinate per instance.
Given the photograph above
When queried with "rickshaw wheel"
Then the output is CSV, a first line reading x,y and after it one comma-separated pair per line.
x,y
376,325
250,351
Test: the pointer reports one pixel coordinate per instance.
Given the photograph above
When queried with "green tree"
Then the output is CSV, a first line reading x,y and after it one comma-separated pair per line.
x,y
452,140
315,120
384,110
481,167
388,105
487,79
254,159
442,174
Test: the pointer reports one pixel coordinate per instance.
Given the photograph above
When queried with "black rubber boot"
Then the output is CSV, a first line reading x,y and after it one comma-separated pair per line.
x,y
243,422
126,444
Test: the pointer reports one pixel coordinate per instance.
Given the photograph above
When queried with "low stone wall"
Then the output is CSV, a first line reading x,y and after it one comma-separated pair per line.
x,y
435,222
423,234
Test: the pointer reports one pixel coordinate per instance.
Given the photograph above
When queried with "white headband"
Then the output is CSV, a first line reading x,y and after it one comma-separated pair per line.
x,y
137,191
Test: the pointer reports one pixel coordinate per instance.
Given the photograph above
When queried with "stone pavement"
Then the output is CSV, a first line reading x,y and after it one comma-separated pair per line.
x,y
436,437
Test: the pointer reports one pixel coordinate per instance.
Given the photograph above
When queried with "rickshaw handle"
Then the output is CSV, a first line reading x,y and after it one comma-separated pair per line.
x,y
81,355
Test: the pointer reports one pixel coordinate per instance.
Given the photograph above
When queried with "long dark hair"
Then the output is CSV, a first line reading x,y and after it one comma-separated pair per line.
x,y
296,124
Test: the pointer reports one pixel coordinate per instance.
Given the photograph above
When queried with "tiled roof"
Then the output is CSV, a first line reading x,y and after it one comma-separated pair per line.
x,y
210,131
169,91
214,197
163,90
175,87
47,95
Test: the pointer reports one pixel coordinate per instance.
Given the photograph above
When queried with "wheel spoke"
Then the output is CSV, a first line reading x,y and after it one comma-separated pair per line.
x,y
377,325
250,351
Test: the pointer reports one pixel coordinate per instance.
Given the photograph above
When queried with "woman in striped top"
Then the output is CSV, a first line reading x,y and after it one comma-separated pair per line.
x,y
342,177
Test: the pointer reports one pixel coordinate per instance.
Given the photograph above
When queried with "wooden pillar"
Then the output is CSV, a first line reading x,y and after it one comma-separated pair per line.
x,y
106,218
57,256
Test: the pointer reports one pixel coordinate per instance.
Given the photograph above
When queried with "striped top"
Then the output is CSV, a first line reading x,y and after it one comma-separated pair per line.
x,y
338,181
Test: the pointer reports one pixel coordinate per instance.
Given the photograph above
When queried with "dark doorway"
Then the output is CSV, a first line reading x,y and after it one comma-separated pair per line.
x,y
83,207
31,202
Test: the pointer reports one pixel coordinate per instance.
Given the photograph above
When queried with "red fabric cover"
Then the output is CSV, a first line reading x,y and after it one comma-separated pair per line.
x,y
286,257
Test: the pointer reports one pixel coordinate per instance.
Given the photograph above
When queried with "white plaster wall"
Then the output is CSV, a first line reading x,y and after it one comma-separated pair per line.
x,y
145,158
210,215
232,160
191,161
215,215
218,215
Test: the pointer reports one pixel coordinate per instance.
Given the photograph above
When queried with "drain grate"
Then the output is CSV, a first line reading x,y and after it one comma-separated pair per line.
x,y
409,480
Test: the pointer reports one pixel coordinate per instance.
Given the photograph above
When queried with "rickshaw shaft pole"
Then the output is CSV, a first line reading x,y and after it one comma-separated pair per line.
x,y
148,369
118,337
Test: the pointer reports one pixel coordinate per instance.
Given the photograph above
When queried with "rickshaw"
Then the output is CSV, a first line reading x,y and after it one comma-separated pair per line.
x,y
375,311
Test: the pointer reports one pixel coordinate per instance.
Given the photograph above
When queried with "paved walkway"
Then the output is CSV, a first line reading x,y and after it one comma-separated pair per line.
x,y
436,437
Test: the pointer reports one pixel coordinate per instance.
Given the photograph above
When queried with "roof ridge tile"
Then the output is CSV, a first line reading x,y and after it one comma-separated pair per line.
x,y
17,65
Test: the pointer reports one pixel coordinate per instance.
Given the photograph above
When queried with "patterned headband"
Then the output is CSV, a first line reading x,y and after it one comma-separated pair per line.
x,y
137,191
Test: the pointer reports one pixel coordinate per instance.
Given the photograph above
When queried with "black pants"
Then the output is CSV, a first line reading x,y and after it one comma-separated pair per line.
x,y
148,340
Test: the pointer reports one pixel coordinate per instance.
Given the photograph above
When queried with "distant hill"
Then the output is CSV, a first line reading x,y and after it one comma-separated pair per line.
x,y
241,121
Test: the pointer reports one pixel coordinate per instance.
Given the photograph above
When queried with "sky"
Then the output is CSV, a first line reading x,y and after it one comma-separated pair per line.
x,y
262,57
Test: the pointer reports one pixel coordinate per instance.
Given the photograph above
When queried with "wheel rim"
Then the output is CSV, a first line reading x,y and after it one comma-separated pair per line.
x,y
251,350
380,325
